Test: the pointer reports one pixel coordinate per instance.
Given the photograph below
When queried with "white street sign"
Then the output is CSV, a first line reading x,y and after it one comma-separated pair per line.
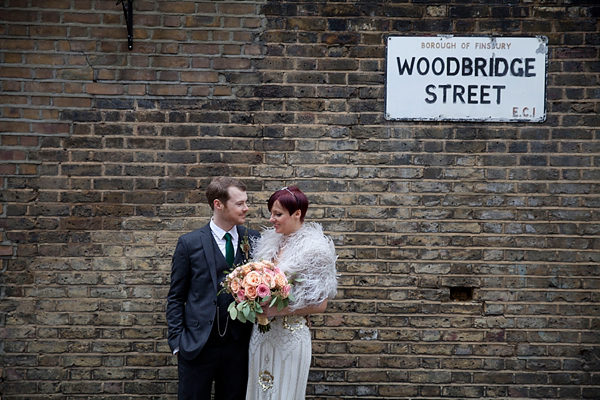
x,y
448,78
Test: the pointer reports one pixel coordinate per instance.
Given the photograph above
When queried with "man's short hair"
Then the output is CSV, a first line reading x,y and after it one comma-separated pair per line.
x,y
218,189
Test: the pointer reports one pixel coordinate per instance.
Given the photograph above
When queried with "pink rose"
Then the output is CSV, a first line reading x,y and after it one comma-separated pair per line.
x,y
240,295
286,291
263,290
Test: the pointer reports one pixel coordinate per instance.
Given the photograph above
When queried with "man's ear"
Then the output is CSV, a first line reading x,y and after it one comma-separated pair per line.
x,y
217,204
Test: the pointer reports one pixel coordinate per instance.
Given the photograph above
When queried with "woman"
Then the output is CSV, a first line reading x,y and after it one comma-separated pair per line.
x,y
280,358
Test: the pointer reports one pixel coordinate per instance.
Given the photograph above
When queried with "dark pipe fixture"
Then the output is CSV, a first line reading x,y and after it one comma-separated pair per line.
x,y
128,11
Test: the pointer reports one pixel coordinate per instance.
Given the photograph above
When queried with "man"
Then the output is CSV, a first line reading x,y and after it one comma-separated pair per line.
x,y
209,345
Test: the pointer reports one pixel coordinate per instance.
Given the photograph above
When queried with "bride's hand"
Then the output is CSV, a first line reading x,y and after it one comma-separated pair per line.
x,y
272,312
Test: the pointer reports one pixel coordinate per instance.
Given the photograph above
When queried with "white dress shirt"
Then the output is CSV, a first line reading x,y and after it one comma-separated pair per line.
x,y
219,235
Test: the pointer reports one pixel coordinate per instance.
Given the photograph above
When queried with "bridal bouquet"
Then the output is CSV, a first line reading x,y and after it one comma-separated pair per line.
x,y
254,285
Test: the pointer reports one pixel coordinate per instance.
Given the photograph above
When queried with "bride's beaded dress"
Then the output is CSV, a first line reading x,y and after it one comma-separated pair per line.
x,y
279,360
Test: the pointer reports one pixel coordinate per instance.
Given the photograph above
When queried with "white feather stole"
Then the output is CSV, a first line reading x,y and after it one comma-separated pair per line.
x,y
307,254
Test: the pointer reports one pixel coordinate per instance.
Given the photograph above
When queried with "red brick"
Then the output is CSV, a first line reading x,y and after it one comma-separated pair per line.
x,y
201,63
11,126
207,8
45,59
70,102
236,8
82,4
48,31
137,90
222,91
40,100
202,21
107,75
13,99
232,49
104,88
20,16
202,91
50,17
44,87
27,169
169,34
171,48
231,63
137,75
252,23
178,7
29,141
13,58
12,86
6,250
76,74
105,33
12,155
29,113
8,169
44,73
147,20
140,61
174,21
51,128
171,62
81,45
64,4
10,112
71,87
11,72
10,140
200,76
49,114
167,90
201,49
232,23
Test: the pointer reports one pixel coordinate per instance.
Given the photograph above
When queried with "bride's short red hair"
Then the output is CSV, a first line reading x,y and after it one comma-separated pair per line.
x,y
291,198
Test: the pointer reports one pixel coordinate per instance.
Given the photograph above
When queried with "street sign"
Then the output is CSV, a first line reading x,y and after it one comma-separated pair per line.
x,y
475,78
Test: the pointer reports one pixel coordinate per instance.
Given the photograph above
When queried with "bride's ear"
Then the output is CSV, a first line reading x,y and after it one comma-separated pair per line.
x,y
297,214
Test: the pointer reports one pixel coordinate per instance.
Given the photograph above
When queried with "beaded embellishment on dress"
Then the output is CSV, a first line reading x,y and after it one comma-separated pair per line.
x,y
293,322
265,380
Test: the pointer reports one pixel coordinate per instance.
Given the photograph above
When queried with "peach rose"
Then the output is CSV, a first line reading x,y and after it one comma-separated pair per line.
x,y
252,279
235,285
269,280
280,280
251,292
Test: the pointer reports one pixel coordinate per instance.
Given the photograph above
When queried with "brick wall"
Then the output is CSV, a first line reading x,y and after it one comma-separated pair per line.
x,y
469,253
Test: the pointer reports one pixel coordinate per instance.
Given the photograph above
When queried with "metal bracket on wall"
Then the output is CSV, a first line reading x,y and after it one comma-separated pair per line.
x,y
128,11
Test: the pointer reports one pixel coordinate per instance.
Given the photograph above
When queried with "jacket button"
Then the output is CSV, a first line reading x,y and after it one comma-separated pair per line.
x,y
214,302
210,322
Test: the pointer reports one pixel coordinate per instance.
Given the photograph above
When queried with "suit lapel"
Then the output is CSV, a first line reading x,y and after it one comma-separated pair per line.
x,y
208,243
240,257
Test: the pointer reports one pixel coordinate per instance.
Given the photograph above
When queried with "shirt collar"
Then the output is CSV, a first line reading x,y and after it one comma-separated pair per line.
x,y
220,232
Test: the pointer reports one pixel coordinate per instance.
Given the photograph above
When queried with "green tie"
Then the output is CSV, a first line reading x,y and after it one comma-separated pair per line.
x,y
229,249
